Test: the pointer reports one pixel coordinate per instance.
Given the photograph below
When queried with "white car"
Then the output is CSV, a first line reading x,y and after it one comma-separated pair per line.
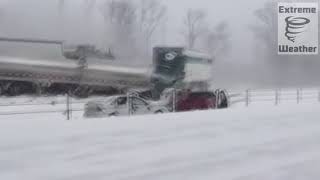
x,y
119,106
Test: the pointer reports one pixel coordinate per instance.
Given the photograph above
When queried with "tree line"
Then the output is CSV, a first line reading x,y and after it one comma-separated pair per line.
x,y
132,27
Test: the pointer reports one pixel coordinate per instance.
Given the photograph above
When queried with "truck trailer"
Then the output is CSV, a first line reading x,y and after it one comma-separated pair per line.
x,y
84,71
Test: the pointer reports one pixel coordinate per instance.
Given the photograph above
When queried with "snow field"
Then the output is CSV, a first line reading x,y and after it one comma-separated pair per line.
x,y
239,143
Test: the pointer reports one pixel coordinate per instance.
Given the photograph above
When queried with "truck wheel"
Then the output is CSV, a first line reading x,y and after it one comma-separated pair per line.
x,y
14,90
19,88
159,112
114,114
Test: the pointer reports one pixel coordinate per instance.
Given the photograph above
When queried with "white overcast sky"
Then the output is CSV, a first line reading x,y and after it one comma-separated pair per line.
x,y
238,13
38,21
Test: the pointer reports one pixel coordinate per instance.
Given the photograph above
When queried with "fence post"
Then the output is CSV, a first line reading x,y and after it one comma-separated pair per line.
x,y
298,96
174,100
68,107
217,94
247,97
129,103
277,97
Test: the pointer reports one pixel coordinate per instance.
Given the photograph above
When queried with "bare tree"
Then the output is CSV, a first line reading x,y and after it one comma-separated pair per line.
x,y
121,12
121,19
217,41
194,26
61,5
282,68
89,4
274,67
265,31
132,24
151,14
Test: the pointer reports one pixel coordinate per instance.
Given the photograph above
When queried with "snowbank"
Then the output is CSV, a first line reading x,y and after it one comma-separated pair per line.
x,y
257,143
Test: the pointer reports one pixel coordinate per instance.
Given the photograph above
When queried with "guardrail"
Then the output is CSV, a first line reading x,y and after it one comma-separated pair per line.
x,y
274,96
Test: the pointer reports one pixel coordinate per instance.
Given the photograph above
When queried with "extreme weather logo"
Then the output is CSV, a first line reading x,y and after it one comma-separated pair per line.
x,y
295,26
298,28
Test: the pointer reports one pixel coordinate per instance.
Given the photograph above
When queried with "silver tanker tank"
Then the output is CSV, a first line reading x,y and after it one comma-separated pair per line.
x,y
81,65
83,69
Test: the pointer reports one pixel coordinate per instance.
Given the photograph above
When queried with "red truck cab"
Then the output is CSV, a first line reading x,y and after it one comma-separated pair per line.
x,y
190,101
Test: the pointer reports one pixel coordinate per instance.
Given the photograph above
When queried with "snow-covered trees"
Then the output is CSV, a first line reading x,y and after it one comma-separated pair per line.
x,y
120,19
265,30
279,68
201,35
131,25
194,26
217,40
151,13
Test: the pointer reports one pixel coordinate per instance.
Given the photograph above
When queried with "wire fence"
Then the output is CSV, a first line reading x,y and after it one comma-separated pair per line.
x,y
66,106
63,105
276,97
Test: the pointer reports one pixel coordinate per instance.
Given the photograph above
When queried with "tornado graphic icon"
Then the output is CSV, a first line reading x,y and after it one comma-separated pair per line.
x,y
295,26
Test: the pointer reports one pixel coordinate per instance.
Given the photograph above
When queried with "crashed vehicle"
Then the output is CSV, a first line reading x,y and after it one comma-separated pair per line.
x,y
187,100
119,106
190,101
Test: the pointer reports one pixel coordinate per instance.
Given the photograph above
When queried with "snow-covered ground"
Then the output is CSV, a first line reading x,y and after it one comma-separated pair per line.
x,y
29,107
264,143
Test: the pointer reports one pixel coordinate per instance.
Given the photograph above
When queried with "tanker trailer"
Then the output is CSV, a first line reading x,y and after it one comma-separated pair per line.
x,y
84,71
81,70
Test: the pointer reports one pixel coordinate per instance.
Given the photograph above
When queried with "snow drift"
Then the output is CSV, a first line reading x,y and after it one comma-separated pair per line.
x,y
256,143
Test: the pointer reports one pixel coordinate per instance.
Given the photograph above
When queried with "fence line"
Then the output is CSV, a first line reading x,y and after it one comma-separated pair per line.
x,y
276,96
67,105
